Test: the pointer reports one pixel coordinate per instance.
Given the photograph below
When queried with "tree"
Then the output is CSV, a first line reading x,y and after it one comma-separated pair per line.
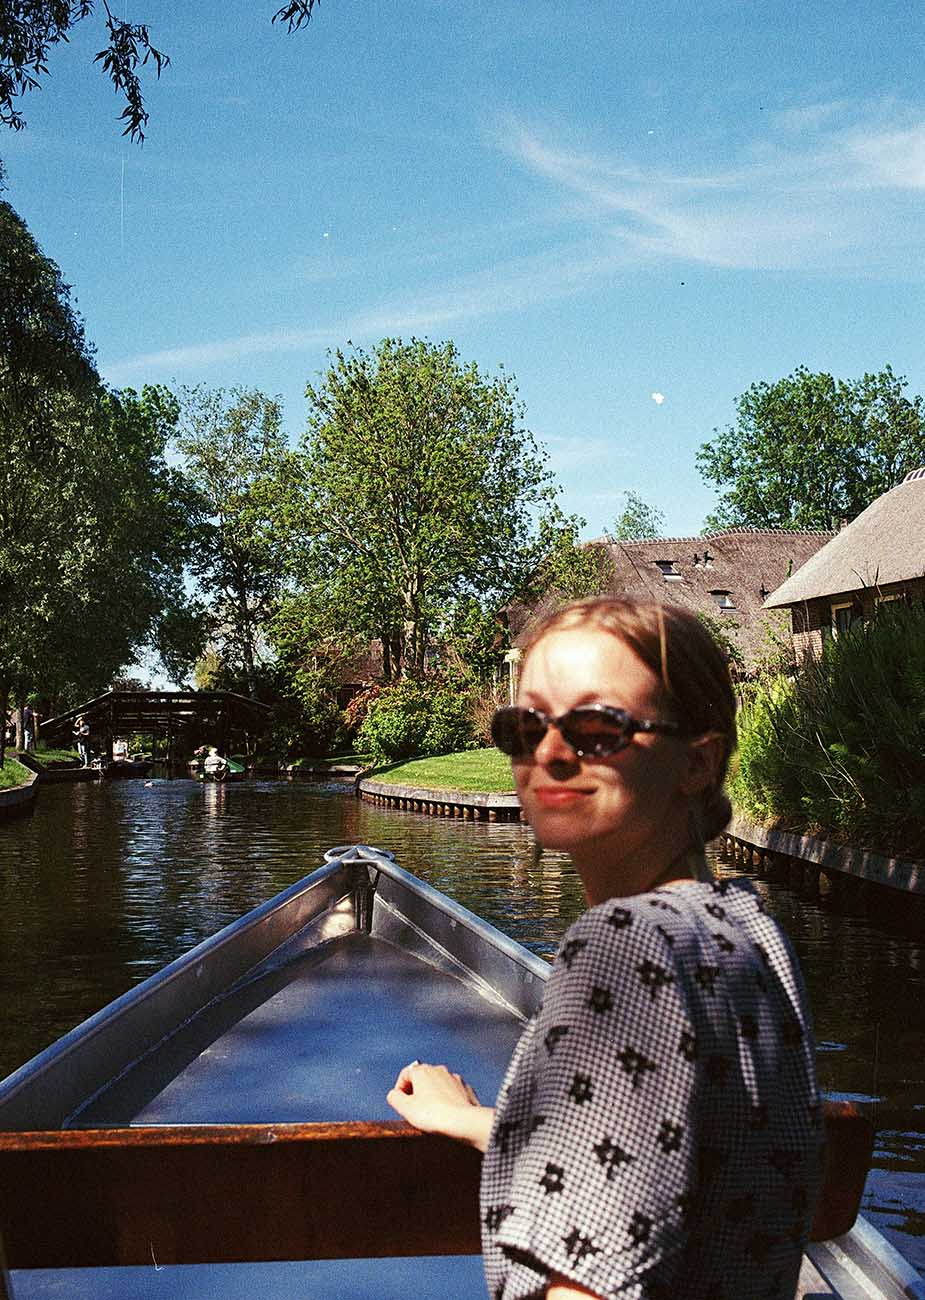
x,y
93,521
419,491
100,550
235,454
46,378
810,450
567,569
637,520
30,28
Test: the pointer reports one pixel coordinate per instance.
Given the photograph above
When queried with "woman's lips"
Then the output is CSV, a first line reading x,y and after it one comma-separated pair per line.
x,y
559,796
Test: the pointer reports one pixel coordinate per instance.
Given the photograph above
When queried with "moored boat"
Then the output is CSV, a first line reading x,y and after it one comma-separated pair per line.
x,y
232,1108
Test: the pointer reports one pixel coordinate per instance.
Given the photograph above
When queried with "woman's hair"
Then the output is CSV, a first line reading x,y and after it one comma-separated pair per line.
x,y
685,658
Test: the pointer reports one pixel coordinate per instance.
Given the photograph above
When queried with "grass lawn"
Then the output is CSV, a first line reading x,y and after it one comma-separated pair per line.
x,y
12,773
485,770
47,755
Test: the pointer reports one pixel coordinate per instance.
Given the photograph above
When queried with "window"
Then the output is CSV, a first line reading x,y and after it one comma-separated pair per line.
x,y
893,600
669,571
723,599
842,617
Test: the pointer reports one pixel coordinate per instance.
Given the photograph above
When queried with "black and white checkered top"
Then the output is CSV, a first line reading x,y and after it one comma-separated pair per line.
x,y
659,1130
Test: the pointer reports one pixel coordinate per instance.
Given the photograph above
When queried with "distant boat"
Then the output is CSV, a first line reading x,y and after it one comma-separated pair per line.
x,y
232,771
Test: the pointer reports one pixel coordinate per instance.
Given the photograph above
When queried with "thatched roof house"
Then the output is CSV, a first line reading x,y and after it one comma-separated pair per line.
x,y
878,557
726,576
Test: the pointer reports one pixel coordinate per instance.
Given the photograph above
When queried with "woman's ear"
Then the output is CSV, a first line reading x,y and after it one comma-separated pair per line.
x,y
704,762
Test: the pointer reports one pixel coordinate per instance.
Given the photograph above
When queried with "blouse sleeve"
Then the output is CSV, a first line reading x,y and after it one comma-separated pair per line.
x,y
601,1166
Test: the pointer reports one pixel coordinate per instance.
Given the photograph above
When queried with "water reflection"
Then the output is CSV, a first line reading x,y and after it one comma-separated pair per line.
x,y
108,881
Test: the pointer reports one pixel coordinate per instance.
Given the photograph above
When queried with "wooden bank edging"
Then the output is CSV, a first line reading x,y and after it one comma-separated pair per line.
x,y
805,855
57,775
19,798
834,861
472,805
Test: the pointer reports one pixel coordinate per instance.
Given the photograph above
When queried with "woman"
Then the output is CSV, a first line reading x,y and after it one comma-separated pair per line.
x,y
658,1132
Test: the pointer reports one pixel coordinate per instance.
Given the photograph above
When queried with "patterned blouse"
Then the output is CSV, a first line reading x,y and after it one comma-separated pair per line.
x,y
659,1130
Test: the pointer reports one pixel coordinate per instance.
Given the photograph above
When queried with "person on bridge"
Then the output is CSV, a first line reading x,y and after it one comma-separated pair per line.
x,y
30,722
659,1130
82,733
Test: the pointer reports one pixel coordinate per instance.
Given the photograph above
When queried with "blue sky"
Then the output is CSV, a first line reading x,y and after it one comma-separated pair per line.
x,y
610,199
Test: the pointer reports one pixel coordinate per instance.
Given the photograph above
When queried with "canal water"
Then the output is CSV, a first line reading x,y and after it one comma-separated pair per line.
x,y
107,882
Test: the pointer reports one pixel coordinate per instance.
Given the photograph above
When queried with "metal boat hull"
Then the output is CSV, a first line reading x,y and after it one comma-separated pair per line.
x,y
302,1011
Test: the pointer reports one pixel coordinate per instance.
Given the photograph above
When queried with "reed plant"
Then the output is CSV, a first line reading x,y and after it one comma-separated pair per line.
x,y
838,748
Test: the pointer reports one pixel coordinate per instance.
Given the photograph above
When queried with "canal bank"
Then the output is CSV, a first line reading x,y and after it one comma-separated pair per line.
x,y
107,882
820,868
438,802
18,799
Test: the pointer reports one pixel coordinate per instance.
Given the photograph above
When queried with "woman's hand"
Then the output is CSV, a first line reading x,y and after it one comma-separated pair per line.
x,y
560,1289
436,1101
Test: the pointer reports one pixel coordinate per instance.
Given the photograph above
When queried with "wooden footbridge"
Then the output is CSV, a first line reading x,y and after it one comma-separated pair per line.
x,y
182,718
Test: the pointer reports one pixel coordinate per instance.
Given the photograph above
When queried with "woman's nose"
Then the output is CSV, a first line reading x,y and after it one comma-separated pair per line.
x,y
554,748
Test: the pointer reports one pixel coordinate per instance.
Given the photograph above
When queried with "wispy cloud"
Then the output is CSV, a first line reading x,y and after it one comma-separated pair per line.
x,y
826,187
781,204
511,285
197,356
572,451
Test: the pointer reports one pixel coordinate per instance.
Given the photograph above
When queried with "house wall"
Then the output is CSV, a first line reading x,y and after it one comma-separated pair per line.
x,y
811,621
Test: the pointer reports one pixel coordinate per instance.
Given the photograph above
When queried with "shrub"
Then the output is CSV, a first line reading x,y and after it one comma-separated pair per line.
x,y
490,697
450,724
838,748
414,717
395,723
356,710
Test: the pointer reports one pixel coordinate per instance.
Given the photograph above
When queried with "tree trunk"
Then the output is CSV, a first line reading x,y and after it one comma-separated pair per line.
x,y
4,701
249,670
247,646
393,655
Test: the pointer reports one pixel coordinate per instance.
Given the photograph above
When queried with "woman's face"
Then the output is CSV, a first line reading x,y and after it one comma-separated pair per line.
x,y
622,818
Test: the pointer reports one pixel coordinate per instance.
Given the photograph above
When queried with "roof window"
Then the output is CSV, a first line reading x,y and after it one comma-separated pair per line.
x,y
723,599
669,570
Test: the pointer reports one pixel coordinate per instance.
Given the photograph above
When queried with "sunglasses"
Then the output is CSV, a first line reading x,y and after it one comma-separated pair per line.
x,y
592,731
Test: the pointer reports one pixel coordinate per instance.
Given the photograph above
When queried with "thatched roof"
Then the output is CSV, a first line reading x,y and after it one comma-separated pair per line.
x,y
724,575
884,544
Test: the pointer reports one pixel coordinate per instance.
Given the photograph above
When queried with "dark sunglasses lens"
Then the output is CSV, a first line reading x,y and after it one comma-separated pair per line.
x,y
591,731
517,732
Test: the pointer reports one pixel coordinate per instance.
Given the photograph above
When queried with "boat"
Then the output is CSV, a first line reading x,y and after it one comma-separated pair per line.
x,y
232,771
222,1128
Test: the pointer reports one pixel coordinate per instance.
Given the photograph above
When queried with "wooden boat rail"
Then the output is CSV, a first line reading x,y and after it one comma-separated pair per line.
x,y
239,1193
249,1192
